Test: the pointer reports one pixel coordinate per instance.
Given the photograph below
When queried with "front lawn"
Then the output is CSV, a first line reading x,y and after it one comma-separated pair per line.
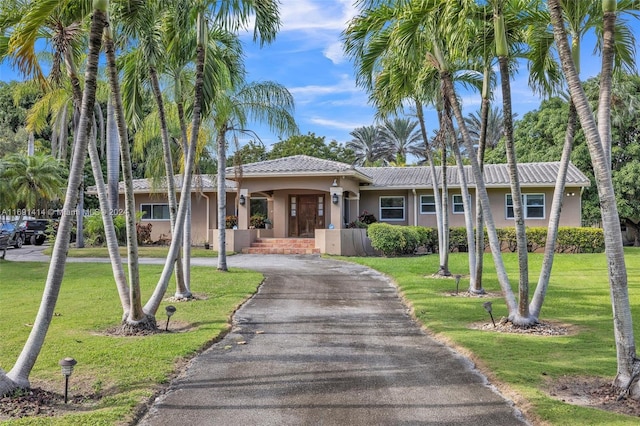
x,y
123,371
578,296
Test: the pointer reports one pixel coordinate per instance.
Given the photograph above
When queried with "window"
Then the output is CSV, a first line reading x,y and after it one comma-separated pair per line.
x,y
155,211
427,204
533,205
392,208
458,205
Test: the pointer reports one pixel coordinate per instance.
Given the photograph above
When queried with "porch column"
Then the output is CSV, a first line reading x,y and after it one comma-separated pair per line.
x,y
335,193
243,209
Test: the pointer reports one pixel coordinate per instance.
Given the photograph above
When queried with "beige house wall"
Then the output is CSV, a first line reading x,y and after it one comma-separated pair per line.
x,y
203,211
570,216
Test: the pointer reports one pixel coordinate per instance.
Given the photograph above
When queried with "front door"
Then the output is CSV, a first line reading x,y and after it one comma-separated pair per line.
x,y
306,213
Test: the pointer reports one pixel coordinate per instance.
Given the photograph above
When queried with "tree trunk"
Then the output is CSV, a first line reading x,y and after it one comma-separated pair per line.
x,y
494,243
516,194
156,298
113,158
170,175
137,316
222,201
627,364
554,217
444,242
434,180
109,230
482,144
19,374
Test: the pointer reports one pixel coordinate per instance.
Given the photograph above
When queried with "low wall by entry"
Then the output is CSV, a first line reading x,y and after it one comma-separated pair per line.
x,y
344,242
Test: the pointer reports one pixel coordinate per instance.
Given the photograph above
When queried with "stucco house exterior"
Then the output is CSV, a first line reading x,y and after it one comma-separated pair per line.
x,y
307,197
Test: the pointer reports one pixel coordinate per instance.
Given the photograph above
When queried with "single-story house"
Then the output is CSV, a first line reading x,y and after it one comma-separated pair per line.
x,y
307,197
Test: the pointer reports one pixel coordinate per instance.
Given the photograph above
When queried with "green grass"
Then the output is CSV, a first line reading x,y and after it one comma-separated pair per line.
x,y
578,295
125,370
143,251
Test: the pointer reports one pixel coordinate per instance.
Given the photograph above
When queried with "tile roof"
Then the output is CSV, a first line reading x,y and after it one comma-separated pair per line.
x,y
200,183
495,175
299,164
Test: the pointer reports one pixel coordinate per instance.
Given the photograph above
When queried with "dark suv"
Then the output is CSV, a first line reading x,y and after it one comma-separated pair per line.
x,y
36,231
14,237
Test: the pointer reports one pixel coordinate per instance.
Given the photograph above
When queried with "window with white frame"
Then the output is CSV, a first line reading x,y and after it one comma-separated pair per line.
x,y
155,211
458,205
533,205
391,208
427,204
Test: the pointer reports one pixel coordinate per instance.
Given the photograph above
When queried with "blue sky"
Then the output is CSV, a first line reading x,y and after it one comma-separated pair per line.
x,y
307,58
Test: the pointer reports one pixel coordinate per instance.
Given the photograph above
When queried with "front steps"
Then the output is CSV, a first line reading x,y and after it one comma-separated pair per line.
x,y
282,246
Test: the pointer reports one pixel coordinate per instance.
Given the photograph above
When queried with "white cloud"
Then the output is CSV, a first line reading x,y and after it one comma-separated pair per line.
x,y
337,124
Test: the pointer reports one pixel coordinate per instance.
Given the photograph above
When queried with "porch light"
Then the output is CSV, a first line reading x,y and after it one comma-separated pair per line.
x,y
67,364
487,307
170,309
242,200
334,198
335,183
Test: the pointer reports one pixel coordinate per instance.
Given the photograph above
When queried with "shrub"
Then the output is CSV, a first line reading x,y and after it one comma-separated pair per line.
x,y
143,233
94,229
258,220
363,221
389,239
231,221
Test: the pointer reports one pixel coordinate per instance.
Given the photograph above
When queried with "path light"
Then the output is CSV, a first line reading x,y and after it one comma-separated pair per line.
x,y
67,365
457,277
170,311
487,307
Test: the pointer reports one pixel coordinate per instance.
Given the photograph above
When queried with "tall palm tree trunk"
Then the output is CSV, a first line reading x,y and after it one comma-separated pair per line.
x,y
109,229
554,217
181,290
434,181
137,316
156,298
628,366
494,242
19,374
113,158
482,146
222,201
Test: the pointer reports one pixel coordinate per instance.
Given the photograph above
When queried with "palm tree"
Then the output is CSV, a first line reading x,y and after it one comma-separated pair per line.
x,y
492,127
225,14
398,137
627,362
266,102
366,145
35,180
18,376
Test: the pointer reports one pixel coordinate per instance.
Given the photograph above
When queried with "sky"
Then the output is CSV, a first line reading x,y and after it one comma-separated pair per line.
x,y
308,59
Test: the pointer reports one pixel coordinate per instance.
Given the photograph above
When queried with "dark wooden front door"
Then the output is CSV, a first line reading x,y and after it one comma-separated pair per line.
x,y
306,213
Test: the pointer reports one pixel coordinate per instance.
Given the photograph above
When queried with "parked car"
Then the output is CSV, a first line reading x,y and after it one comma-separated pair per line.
x,y
15,236
37,230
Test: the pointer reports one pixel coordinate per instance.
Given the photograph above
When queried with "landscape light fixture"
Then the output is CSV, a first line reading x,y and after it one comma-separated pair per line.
x,y
242,200
457,277
487,307
67,364
334,198
170,309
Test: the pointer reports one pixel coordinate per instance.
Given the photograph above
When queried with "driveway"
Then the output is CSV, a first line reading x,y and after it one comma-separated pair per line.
x,y
325,342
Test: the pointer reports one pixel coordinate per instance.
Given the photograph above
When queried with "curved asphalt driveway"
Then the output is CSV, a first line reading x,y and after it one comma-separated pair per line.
x,y
325,342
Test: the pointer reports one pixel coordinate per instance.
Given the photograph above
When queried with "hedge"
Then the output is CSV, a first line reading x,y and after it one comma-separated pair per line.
x,y
394,240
